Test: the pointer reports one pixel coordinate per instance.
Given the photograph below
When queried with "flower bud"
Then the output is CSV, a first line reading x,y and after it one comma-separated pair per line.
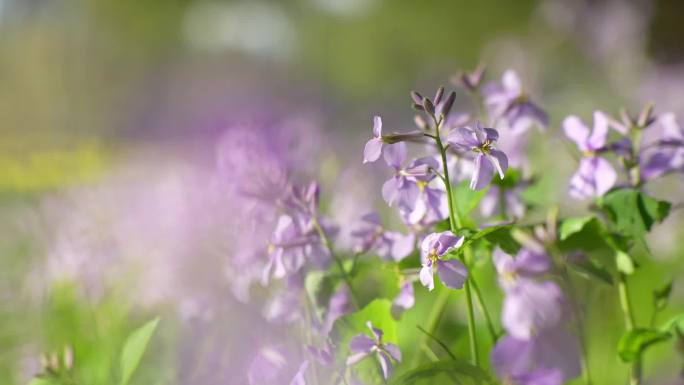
x,y
448,103
417,106
416,97
420,122
429,107
646,116
439,94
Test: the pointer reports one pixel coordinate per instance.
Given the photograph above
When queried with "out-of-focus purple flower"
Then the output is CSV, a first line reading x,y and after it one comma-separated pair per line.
x,y
403,188
324,356
339,305
551,358
298,379
285,305
488,159
513,203
431,205
387,244
362,346
667,154
373,148
452,272
267,365
530,305
595,175
292,245
404,300
508,101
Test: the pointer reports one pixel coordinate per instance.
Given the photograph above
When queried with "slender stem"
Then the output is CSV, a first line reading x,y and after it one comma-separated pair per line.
x,y
440,343
625,303
433,320
455,224
338,261
488,319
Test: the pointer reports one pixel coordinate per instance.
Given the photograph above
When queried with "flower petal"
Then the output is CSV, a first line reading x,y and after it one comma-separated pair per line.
x,y
452,273
355,358
605,176
426,278
372,150
385,364
575,129
298,379
500,162
484,170
393,351
361,343
377,126
598,136
395,155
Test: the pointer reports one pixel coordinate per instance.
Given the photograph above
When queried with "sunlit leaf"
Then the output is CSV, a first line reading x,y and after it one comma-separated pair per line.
x,y
134,348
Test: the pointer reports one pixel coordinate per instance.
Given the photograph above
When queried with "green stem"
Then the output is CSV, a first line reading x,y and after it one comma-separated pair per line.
x,y
433,320
338,261
625,303
488,319
455,224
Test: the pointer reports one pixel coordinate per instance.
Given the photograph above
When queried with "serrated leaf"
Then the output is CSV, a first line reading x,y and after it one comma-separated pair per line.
x,y
634,342
461,371
134,348
632,211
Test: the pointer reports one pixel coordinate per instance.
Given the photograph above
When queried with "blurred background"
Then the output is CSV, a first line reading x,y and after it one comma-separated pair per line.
x,y
112,111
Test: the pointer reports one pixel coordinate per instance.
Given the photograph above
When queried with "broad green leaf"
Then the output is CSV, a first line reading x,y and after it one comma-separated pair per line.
x,y
624,262
661,296
134,348
571,226
634,342
465,199
497,235
459,371
632,211
590,269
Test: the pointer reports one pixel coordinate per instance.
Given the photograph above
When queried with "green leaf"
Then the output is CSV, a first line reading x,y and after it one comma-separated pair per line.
x,y
661,296
590,269
465,199
634,342
632,211
134,348
572,226
624,262
460,371
673,323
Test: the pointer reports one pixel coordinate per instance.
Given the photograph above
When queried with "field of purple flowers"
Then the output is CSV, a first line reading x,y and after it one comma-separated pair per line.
x,y
253,193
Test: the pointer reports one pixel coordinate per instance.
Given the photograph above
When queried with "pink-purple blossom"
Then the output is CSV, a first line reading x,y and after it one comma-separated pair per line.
x,y
452,272
488,160
363,346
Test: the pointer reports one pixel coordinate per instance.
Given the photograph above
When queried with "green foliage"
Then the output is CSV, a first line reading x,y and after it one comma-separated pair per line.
x,y
498,236
466,199
458,371
661,296
134,348
632,212
634,342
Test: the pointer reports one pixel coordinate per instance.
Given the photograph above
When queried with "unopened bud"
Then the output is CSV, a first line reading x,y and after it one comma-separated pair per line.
x,y
646,116
417,106
448,103
416,97
627,120
429,107
439,94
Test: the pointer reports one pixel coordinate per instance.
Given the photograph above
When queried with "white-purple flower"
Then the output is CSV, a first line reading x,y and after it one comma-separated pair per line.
x,y
452,272
362,346
404,300
488,160
373,148
513,203
551,358
595,175
508,101
387,244
404,187
531,305
667,154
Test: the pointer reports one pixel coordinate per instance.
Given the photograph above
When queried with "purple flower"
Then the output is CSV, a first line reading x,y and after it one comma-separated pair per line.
x,y
339,305
387,244
508,101
267,365
363,346
551,358
373,148
515,207
488,159
595,175
298,379
404,300
452,272
530,305
666,155
405,186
